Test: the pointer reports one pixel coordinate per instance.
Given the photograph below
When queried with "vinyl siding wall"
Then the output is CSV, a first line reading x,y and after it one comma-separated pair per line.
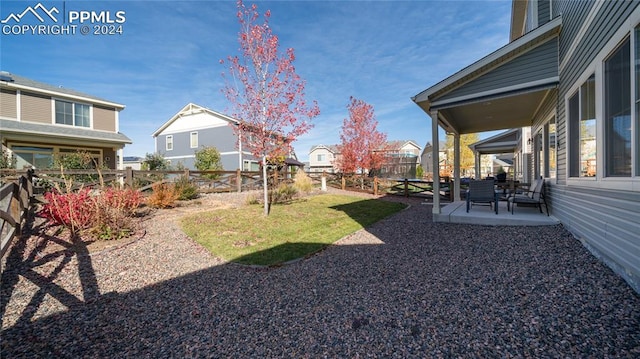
x,y
8,104
605,220
537,64
222,138
104,119
35,108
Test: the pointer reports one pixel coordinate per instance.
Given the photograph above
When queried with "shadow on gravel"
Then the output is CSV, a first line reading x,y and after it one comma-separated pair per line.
x,y
22,264
433,290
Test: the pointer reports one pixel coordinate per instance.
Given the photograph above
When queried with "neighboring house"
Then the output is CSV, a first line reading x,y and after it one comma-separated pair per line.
x,y
400,159
569,72
323,158
39,121
426,161
134,162
195,127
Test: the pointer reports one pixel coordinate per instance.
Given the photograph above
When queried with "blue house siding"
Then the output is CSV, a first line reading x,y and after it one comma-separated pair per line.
x,y
537,64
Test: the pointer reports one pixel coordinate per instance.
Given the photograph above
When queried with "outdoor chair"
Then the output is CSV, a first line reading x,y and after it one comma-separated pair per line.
x,y
535,196
482,192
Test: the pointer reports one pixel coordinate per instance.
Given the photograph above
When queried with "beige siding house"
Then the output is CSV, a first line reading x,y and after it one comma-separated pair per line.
x,y
39,121
323,158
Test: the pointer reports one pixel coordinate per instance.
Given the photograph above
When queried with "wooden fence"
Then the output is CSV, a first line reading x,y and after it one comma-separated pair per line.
x,y
15,199
378,186
205,181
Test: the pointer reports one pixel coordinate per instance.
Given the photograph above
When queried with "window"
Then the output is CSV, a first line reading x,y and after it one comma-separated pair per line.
x,y
637,99
72,114
81,115
169,143
96,155
617,97
194,140
248,165
64,113
540,155
38,157
582,130
321,157
551,149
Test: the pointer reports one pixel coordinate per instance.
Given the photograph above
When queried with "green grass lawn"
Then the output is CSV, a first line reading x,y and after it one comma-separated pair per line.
x,y
291,231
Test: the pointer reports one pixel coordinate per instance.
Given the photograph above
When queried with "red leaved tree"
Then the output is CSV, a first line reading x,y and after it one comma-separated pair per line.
x,y
362,147
267,94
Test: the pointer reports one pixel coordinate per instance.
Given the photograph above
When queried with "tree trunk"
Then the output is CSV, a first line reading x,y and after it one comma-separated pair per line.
x,y
264,185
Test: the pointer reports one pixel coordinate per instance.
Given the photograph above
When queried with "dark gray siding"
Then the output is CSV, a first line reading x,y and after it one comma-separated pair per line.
x,y
222,138
537,64
605,220
544,12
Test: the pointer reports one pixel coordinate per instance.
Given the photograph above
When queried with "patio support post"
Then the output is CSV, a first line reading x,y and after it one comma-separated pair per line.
x,y
435,158
476,154
456,167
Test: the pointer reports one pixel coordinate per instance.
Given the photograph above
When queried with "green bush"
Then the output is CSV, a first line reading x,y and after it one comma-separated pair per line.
x,y
186,189
283,194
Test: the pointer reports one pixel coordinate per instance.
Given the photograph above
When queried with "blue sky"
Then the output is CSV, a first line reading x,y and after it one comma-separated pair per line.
x,y
382,52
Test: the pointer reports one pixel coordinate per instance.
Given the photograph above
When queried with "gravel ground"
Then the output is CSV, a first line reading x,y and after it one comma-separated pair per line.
x,y
404,287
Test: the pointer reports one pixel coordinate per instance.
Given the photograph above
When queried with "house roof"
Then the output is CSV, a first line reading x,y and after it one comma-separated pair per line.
x,y
331,148
398,144
428,148
504,142
467,102
29,129
191,109
16,82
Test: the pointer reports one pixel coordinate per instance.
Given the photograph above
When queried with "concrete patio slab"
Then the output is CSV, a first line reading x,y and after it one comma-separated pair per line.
x,y
456,212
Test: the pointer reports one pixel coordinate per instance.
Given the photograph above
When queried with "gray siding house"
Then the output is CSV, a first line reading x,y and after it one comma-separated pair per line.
x,y
570,71
195,127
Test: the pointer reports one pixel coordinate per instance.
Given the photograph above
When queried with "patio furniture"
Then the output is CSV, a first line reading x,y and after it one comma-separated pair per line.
x,y
482,192
534,196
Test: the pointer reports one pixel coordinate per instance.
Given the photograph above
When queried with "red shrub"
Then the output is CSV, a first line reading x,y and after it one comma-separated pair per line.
x,y
73,210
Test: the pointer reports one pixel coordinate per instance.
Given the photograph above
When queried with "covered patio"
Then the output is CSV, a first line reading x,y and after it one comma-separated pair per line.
x,y
502,91
456,212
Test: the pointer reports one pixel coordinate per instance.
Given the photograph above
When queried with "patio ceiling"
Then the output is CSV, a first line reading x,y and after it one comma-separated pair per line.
x,y
508,111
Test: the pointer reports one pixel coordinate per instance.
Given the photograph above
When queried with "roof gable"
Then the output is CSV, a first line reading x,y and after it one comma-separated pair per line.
x,y
200,117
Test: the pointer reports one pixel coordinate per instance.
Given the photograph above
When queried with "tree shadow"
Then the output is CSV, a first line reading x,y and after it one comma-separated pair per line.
x,y
43,268
272,256
431,290
360,211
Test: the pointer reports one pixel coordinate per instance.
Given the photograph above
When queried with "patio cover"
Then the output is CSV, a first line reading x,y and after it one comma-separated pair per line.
x,y
504,142
503,90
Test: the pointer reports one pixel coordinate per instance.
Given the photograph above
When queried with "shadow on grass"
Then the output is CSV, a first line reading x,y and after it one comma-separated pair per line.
x,y
281,254
363,213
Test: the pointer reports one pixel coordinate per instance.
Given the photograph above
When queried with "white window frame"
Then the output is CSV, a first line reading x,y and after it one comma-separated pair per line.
x,y
193,135
631,183
169,143
73,112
